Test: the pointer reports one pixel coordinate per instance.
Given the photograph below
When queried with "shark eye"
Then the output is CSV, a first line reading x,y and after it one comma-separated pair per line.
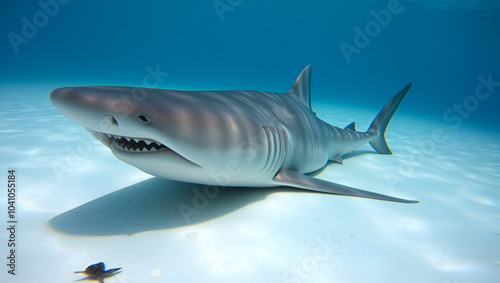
x,y
143,118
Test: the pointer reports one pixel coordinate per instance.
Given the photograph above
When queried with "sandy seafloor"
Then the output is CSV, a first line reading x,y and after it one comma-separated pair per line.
x,y
78,205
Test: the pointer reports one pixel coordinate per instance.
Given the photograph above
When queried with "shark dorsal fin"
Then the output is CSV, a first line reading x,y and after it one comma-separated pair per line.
x,y
351,127
301,89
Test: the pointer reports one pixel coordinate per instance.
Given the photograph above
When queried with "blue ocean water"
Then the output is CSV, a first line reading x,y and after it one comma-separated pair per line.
x,y
78,209
441,47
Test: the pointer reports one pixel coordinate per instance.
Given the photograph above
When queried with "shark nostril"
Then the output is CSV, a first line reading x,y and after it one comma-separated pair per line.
x,y
112,120
143,118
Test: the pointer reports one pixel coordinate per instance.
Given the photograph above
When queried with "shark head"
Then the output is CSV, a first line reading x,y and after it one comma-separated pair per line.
x,y
149,130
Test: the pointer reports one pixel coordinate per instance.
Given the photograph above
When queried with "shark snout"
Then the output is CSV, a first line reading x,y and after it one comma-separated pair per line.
x,y
84,105
73,97
60,94
64,99
103,109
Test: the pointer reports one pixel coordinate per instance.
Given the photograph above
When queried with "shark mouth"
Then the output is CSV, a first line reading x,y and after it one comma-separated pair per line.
x,y
136,144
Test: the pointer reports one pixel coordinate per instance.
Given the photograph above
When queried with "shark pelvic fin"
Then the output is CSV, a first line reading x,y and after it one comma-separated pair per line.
x,y
338,159
297,180
301,89
379,124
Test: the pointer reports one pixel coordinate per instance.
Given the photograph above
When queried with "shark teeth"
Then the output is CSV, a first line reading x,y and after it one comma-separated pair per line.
x,y
136,144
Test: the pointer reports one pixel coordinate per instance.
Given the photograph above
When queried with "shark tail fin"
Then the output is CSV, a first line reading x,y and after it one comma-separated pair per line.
x,y
379,124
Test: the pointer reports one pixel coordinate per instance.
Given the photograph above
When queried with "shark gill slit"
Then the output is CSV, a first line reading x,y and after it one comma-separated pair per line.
x,y
270,149
276,149
276,145
279,153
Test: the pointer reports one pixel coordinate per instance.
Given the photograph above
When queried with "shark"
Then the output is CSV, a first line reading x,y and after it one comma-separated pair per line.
x,y
237,138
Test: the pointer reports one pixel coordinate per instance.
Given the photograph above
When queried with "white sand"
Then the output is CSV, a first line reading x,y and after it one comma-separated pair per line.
x,y
100,209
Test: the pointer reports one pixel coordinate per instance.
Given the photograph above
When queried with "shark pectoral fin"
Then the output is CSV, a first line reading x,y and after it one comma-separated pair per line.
x,y
297,180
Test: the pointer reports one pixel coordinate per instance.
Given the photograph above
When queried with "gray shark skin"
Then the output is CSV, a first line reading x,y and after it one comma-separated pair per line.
x,y
225,138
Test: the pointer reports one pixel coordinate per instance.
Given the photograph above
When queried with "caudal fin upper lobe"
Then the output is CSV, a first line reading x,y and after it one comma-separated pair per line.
x,y
379,124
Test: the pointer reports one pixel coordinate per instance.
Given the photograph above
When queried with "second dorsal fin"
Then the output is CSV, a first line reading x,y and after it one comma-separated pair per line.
x,y
351,127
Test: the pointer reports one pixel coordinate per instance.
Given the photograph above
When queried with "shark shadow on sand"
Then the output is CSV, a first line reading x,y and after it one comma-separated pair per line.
x,y
156,204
